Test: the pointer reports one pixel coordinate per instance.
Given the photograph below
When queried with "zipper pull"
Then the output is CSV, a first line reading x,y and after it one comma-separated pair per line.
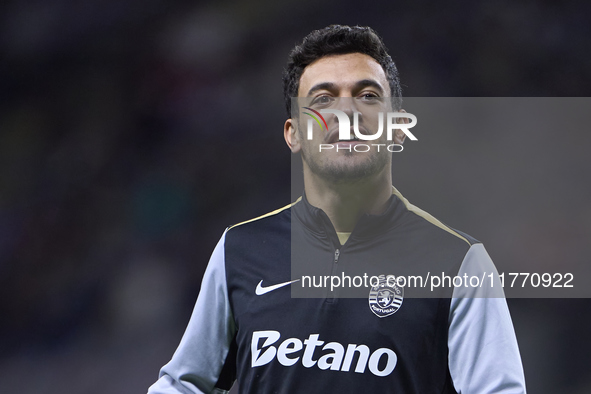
x,y
336,256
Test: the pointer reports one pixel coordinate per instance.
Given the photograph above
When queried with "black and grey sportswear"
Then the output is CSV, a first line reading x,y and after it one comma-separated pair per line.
x,y
248,324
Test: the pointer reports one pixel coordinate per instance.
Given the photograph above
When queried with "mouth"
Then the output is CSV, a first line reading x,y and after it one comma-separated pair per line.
x,y
353,138
352,141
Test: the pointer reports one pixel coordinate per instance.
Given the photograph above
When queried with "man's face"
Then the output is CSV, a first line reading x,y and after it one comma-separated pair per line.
x,y
351,83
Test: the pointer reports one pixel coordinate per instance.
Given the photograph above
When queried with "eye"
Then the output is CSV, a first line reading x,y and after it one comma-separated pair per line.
x,y
322,100
369,98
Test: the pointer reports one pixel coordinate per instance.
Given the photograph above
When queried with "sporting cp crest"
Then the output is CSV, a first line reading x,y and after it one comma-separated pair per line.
x,y
386,297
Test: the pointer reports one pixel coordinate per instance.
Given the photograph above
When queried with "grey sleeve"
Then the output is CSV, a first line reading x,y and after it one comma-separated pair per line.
x,y
197,363
483,352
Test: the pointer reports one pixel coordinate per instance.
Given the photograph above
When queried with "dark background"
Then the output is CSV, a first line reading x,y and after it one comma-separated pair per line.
x,y
133,132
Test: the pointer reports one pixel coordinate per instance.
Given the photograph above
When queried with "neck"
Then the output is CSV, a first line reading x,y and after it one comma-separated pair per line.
x,y
345,203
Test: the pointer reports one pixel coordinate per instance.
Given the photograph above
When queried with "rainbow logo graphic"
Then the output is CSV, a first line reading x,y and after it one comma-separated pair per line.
x,y
315,118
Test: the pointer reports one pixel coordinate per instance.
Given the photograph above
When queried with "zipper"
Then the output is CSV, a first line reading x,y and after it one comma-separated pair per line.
x,y
330,298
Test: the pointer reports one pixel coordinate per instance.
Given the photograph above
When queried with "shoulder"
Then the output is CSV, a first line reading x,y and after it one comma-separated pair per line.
x,y
277,214
268,219
258,229
257,248
434,224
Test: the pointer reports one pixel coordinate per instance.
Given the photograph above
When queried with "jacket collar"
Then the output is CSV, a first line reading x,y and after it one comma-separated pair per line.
x,y
316,221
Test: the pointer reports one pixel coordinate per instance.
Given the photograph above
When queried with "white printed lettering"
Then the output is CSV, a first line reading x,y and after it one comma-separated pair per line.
x,y
268,355
334,356
285,349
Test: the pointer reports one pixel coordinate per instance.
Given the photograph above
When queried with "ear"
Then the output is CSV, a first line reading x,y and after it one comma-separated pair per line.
x,y
399,135
290,134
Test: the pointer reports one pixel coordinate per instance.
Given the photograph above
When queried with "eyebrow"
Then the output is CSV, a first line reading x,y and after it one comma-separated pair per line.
x,y
364,83
321,86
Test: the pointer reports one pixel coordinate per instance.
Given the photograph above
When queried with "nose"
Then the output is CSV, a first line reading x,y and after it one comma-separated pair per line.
x,y
348,106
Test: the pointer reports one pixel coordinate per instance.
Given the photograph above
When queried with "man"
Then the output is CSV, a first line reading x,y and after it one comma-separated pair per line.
x,y
256,318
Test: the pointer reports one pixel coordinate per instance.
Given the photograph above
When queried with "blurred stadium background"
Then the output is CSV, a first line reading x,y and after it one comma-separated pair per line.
x,y
133,132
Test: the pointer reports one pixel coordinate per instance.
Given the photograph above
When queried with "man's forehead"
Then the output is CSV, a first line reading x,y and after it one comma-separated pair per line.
x,y
342,71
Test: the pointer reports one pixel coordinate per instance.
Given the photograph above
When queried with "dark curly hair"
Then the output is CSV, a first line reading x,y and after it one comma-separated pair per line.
x,y
338,40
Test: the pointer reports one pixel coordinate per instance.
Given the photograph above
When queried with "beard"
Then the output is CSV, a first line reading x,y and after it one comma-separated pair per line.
x,y
350,167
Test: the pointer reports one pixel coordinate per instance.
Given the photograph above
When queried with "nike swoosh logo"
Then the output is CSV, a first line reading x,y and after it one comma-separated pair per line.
x,y
260,290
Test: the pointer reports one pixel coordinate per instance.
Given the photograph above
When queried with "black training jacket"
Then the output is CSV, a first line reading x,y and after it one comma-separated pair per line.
x,y
285,308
